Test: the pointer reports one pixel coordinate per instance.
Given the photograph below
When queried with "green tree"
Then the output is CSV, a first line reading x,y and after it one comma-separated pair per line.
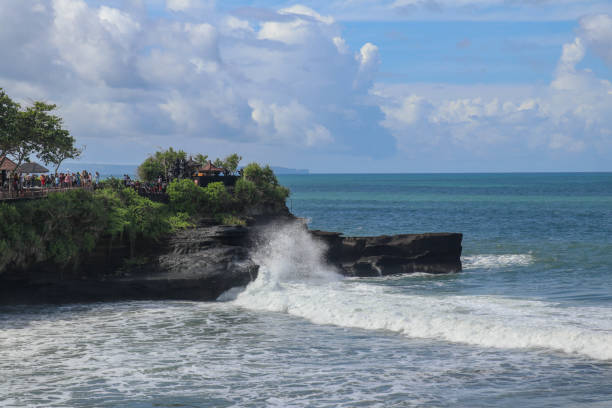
x,y
265,182
230,163
218,163
150,169
161,162
201,159
9,111
35,128
58,146
261,176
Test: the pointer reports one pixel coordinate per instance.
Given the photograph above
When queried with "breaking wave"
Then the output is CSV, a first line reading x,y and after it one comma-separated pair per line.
x,y
496,261
294,279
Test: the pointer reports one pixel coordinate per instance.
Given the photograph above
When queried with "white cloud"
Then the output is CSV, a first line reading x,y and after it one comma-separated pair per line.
x,y
288,82
293,122
568,115
369,60
286,79
597,32
305,26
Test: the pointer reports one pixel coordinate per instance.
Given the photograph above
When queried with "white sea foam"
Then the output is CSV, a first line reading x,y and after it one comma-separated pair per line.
x,y
496,261
294,280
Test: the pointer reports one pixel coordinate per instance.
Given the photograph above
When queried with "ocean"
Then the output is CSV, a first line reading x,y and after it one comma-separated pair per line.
x,y
528,323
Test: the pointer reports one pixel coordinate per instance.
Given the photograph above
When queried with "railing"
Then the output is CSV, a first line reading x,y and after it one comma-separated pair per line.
x,y
37,192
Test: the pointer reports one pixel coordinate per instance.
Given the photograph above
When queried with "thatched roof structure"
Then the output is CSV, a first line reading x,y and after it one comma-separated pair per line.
x,y
32,168
8,164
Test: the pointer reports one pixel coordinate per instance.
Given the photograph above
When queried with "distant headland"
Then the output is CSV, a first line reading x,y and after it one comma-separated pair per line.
x,y
118,170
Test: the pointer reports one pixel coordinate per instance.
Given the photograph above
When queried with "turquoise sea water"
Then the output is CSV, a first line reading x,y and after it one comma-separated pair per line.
x,y
561,222
527,323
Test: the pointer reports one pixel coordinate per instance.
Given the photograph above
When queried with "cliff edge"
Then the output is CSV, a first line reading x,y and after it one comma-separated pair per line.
x,y
203,262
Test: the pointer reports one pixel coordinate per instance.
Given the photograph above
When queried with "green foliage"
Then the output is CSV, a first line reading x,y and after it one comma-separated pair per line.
x,y
66,226
261,176
112,183
162,162
9,111
217,197
230,219
185,196
245,192
150,169
279,193
33,130
143,218
201,159
259,184
58,229
230,163
180,221
218,163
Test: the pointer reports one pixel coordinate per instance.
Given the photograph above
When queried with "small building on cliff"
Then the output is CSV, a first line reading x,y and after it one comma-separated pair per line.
x,y
209,173
7,166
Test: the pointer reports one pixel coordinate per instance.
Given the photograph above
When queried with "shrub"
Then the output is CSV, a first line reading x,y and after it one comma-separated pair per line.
x,y
113,183
245,192
186,197
261,176
217,197
230,219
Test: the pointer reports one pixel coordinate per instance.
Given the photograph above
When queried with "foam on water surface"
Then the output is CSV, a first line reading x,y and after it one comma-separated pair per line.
x,y
293,279
489,261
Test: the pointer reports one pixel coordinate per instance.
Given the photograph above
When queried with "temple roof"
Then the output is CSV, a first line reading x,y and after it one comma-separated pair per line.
x,y
208,167
8,164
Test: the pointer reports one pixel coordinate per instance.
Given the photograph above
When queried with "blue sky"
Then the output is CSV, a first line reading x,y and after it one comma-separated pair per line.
x,y
333,86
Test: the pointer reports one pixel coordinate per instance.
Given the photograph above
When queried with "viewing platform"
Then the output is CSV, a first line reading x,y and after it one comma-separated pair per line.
x,y
37,192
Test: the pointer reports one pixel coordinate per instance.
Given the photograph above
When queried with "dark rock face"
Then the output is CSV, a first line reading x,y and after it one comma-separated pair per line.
x,y
388,255
195,264
203,262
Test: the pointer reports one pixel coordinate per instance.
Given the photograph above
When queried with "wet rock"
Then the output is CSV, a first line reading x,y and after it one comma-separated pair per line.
x,y
393,254
203,262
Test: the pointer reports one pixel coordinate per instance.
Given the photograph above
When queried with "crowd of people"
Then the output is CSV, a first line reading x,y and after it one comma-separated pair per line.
x,y
159,186
17,185
21,181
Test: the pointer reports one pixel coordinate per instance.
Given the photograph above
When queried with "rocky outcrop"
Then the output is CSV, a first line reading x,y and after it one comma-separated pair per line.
x,y
394,254
195,264
203,262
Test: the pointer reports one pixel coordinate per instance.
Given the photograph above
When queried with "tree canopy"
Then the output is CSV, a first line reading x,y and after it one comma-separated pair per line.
x,y
34,130
161,163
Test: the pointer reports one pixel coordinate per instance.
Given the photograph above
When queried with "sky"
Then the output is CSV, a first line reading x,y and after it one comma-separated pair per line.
x,y
331,86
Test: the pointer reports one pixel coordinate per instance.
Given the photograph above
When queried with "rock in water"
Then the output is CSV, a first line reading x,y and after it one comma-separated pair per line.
x,y
393,254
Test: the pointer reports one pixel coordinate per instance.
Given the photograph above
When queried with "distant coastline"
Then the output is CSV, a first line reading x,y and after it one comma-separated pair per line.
x,y
118,170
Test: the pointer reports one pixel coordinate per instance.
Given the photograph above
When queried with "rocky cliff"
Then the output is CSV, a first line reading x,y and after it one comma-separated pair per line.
x,y
203,262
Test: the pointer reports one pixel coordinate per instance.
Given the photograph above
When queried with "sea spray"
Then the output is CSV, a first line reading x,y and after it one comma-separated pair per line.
x,y
294,279
288,254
